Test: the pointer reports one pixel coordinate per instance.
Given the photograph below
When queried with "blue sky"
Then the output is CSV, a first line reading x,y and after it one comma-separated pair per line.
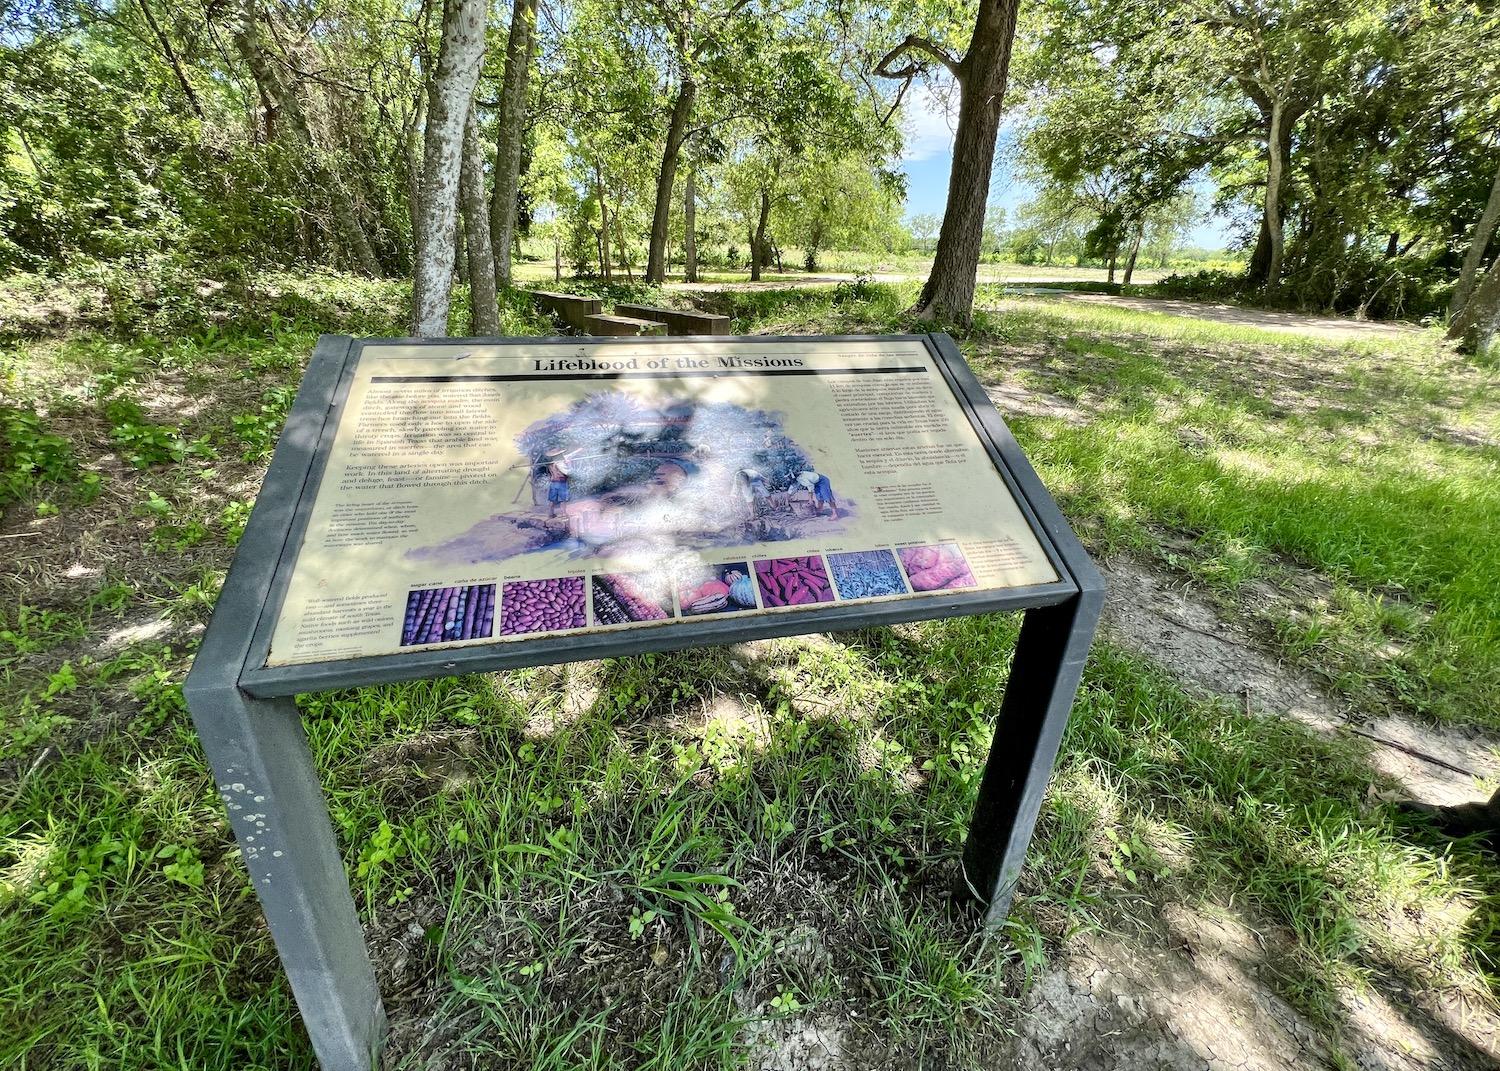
x,y
928,154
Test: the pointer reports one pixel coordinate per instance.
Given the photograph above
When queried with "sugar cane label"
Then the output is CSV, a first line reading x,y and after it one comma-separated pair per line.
x,y
492,493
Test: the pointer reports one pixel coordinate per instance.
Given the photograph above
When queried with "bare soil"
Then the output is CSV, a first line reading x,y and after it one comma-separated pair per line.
x,y
1323,328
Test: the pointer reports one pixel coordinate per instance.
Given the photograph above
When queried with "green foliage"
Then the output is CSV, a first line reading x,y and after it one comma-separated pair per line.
x,y
1384,172
30,455
258,430
143,443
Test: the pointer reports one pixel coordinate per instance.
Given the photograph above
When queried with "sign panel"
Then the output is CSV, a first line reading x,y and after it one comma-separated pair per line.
x,y
481,494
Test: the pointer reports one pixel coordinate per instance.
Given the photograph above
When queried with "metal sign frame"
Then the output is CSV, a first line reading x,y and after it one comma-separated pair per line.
x,y
252,732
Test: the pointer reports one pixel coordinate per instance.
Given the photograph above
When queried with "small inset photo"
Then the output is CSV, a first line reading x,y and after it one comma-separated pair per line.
x,y
541,605
443,615
793,581
715,589
866,574
936,568
625,598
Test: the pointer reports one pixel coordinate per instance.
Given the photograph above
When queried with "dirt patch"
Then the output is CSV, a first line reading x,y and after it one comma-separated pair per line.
x,y
1155,613
1327,328
811,1044
1187,990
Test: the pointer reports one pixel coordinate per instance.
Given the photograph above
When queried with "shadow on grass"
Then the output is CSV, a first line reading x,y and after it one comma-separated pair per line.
x,y
1276,820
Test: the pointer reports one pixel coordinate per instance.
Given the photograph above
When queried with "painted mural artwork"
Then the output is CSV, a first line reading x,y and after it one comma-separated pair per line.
x,y
616,476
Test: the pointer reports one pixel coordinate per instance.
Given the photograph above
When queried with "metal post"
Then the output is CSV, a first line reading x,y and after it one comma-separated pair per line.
x,y
1044,676
264,771
265,776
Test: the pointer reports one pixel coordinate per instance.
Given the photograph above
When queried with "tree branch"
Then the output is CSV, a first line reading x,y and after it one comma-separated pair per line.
x,y
913,43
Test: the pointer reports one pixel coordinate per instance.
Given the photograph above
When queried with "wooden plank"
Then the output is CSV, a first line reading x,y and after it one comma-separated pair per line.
x,y
605,324
574,308
679,321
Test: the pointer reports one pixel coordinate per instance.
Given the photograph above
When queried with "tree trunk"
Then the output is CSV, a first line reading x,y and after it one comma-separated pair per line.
x,y
484,309
606,267
1114,256
624,253
1135,251
171,55
460,254
414,137
758,251
982,74
1275,232
520,49
460,55
666,178
1393,245
1260,257
1475,256
690,226
1477,324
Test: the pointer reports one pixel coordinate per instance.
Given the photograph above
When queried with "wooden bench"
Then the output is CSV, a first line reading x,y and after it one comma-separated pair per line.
x,y
573,308
605,324
679,321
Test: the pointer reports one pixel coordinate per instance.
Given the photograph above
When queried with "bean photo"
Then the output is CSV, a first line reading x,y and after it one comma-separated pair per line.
x,y
541,605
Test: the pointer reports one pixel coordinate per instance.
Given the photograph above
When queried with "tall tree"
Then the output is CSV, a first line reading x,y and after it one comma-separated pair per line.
x,y
697,45
287,100
460,55
520,53
981,75
484,311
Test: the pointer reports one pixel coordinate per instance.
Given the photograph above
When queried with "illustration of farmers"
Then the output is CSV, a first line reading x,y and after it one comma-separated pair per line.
x,y
751,484
559,473
818,485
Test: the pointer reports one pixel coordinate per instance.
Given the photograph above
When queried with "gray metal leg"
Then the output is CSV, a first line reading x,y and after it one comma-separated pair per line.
x,y
1051,651
258,751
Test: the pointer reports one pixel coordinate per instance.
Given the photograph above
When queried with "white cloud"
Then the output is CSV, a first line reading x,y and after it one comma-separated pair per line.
x,y
927,123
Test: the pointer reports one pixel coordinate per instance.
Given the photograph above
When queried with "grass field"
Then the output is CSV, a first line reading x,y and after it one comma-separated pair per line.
x,y
669,861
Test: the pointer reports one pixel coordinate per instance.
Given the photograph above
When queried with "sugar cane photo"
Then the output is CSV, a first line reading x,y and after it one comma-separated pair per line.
x,y
445,615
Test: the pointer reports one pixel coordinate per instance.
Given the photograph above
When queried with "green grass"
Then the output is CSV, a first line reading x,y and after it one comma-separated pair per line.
x,y
643,862
1371,464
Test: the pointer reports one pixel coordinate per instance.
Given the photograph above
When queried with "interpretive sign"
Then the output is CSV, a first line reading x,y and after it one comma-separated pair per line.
x,y
481,494
446,506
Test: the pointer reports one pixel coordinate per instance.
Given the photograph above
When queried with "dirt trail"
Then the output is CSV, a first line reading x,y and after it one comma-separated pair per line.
x,y
1155,614
1310,325
1326,328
